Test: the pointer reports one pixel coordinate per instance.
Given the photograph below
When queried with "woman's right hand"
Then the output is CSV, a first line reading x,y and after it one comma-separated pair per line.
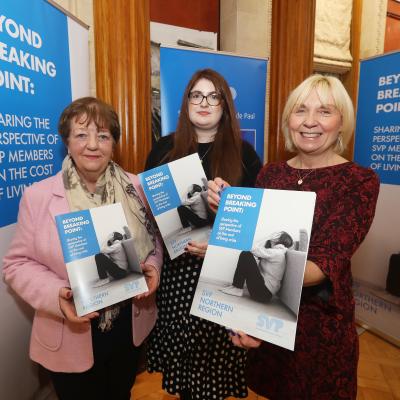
x,y
68,308
240,339
214,192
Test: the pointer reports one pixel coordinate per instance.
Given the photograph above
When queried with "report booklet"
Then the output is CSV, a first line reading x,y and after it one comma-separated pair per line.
x,y
177,195
252,275
102,265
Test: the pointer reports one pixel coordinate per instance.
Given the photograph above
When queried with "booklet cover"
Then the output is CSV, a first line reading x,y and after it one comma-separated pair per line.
x,y
177,195
102,264
252,275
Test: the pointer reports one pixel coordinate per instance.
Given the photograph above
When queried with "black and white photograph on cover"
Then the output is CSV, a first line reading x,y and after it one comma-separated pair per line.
x,y
117,258
193,212
115,270
264,280
261,269
258,290
192,219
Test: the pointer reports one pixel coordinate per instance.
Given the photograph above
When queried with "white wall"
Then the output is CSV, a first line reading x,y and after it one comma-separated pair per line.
x,y
14,339
371,261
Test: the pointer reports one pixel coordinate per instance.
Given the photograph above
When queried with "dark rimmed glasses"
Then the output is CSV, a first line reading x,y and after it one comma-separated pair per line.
x,y
213,98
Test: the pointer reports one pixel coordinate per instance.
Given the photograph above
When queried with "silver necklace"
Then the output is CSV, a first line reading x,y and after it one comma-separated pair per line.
x,y
301,178
202,157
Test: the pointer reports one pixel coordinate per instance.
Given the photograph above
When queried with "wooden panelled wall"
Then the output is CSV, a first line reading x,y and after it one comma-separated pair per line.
x,y
292,51
200,15
350,79
122,46
392,37
123,69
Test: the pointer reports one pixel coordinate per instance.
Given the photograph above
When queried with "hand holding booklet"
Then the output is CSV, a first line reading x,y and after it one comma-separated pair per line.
x,y
99,252
177,195
252,275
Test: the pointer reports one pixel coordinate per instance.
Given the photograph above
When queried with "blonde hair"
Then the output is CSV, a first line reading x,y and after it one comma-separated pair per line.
x,y
326,87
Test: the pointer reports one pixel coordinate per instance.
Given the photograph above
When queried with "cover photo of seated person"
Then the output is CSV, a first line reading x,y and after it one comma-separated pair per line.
x,y
194,213
112,261
261,269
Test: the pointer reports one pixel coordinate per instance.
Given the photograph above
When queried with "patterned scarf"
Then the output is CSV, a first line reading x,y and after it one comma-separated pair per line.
x,y
113,186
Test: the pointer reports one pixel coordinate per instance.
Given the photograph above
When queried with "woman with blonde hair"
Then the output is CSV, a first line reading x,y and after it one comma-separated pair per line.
x,y
318,122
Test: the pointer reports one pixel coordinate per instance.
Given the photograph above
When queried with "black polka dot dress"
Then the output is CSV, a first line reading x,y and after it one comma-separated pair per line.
x,y
194,355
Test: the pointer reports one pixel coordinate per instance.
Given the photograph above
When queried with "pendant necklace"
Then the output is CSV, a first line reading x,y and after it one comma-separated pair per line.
x,y
301,178
207,151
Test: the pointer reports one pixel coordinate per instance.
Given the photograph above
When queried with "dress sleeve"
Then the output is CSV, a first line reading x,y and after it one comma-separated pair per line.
x,y
158,152
251,165
33,281
334,241
152,159
261,178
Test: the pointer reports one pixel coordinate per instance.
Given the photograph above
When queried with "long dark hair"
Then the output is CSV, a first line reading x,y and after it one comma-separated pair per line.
x,y
226,151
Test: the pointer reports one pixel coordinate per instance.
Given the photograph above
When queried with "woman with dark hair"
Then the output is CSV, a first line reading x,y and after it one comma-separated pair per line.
x,y
207,125
194,355
94,356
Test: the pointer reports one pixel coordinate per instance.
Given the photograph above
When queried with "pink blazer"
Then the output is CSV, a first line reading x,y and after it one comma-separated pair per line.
x,y
35,269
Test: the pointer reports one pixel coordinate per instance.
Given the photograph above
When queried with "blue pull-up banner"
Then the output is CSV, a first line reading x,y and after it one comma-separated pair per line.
x,y
246,77
377,143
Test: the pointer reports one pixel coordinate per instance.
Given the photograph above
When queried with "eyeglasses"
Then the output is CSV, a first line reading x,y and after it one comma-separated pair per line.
x,y
213,98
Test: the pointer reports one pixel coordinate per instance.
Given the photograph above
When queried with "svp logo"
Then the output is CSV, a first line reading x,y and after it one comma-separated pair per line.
x,y
269,324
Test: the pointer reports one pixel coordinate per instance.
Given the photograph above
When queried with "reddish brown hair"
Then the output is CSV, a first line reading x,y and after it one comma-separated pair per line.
x,y
102,114
226,152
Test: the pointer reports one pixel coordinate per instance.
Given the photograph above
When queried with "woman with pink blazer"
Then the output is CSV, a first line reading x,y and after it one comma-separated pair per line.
x,y
94,356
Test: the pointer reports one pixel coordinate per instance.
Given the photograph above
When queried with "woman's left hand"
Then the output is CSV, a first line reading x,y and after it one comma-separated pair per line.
x,y
152,279
244,341
197,248
215,188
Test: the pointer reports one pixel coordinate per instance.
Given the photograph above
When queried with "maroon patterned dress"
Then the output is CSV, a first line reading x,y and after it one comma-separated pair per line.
x,y
324,363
